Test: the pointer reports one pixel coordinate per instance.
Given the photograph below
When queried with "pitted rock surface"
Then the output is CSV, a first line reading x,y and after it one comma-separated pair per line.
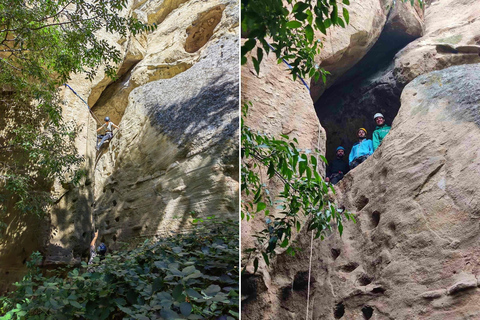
x,y
412,252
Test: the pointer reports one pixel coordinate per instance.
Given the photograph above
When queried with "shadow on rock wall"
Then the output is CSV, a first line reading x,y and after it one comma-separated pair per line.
x,y
177,158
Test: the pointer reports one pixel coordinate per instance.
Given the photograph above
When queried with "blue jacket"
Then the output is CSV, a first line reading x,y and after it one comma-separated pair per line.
x,y
364,148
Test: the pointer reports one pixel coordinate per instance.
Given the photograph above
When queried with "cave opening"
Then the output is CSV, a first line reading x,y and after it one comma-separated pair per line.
x,y
369,87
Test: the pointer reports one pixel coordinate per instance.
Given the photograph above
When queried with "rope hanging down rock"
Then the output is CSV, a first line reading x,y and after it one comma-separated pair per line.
x,y
88,125
93,114
290,67
309,272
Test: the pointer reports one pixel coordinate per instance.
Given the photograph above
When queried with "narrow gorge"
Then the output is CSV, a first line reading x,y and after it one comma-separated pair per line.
x,y
174,158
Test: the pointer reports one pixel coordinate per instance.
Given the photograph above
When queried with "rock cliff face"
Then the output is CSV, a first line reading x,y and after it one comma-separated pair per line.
x,y
411,253
176,155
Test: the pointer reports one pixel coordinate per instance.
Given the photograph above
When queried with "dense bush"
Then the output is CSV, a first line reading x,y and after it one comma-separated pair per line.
x,y
184,276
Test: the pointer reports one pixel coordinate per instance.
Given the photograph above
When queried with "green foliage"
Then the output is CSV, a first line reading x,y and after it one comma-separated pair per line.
x,y
42,42
290,29
304,190
190,276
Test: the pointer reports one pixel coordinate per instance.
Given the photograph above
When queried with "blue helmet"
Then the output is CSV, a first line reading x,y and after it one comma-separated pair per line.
x,y
107,118
340,148
102,249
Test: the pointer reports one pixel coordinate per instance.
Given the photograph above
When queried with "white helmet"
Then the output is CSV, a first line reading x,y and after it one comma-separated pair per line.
x,y
378,115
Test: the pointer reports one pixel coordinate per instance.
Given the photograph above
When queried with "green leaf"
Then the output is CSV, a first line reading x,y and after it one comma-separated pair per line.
x,y
327,23
255,265
192,293
168,314
261,206
334,14
309,33
265,257
212,289
294,24
177,292
299,7
346,15
76,304
248,45
186,308
259,55
256,65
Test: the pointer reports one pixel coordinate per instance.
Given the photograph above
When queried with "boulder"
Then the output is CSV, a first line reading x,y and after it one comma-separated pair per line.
x,y
452,37
392,23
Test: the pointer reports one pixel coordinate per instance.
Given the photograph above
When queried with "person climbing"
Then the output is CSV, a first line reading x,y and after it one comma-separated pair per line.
x,y
101,250
380,131
108,132
360,150
338,168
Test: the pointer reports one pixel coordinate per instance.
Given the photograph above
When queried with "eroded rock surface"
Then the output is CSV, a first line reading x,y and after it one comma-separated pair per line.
x,y
452,37
178,152
176,156
398,22
412,253
279,105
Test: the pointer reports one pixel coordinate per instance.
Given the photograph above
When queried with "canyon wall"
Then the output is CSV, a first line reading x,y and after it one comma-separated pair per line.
x,y
411,253
175,157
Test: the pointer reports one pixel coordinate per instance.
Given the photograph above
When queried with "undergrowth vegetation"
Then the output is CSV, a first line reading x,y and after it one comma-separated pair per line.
x,y
184,276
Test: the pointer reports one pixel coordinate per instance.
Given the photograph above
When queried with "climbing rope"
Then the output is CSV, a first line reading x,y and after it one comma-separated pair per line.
x,y
290,67
93,114
88,138
309,272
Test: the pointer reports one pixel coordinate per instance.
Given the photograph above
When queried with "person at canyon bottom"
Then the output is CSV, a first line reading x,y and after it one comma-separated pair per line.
x,y
360,150
102,249
380,131
108,132
337,168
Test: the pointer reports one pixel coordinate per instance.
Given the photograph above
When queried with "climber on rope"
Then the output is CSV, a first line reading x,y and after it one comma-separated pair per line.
x,y
380,131
360,150
101,250
337,168
108,134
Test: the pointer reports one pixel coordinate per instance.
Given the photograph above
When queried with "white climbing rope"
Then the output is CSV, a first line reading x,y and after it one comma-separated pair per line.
x,y
309,272
311,240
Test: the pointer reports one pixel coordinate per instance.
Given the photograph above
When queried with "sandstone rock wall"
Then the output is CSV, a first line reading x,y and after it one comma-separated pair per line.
x,y
273,93
176,157
411,254
343,49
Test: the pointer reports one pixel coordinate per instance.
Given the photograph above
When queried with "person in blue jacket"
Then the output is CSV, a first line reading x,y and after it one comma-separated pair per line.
x,y
360,150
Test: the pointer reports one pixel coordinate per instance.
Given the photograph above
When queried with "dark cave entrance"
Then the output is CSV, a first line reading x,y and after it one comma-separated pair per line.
x,y
367,88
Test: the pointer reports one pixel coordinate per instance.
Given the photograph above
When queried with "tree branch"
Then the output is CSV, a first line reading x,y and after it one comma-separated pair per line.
x,y
57,14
